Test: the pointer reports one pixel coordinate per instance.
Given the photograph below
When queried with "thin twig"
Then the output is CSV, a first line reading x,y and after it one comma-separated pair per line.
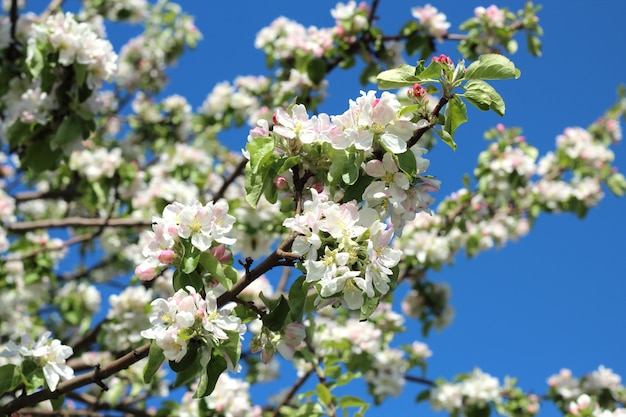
x,y
294,389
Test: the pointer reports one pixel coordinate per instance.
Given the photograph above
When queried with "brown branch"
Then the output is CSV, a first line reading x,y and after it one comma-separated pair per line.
x,y
433,118
77,382
237,172
77,222
283,280
65,194
96,376
52,7
419,380
66,244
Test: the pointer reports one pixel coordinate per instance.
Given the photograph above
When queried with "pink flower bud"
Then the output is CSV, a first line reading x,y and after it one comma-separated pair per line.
x,y
444,59
500,127
145,273
294,334
318,186
221,253
417,91
281,183
167,256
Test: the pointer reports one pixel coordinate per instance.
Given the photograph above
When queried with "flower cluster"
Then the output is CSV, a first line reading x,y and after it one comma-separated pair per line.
x,y
478,389
49,355
203,226
493,15
187,317
356,260
350,18
75,43
432,20
284,38
96,164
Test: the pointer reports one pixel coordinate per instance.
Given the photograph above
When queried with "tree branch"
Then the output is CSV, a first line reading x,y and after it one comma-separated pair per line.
x,y
77,222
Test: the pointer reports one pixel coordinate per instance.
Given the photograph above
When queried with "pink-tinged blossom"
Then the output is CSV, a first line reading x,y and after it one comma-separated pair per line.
x,y
187,315
381,257
296,125
372,121
434,22
392,183
350,17
492,14
565,384
50,355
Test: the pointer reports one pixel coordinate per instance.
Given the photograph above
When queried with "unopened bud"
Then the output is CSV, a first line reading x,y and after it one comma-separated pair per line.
x,y
221,253
293,334
281,183
167,256
268,352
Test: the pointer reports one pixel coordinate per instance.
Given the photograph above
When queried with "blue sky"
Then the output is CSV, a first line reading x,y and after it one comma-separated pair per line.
x,y
557,297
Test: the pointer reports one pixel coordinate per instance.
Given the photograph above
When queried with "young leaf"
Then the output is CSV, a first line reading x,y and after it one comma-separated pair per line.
x,y
297,298
446,138
484,96
275,319
155,359
324,395
9,378
407,163
209,376
456,115
492,67
402,76
57,402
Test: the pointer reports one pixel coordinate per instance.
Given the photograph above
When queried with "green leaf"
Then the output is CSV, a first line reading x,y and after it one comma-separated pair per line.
x,y
402,76
155,359
10,376
484,96
217,270
324,395
423,396
188,374
431,73
190,263
80,71
18,133
368,307
39,157
492,67
617,184
261,150
534,45
57,402
351,401
456,115
209,376
297,299
316,69
355,191
345,166
190,358
446,138
275,319
70,130
36,63
407,163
